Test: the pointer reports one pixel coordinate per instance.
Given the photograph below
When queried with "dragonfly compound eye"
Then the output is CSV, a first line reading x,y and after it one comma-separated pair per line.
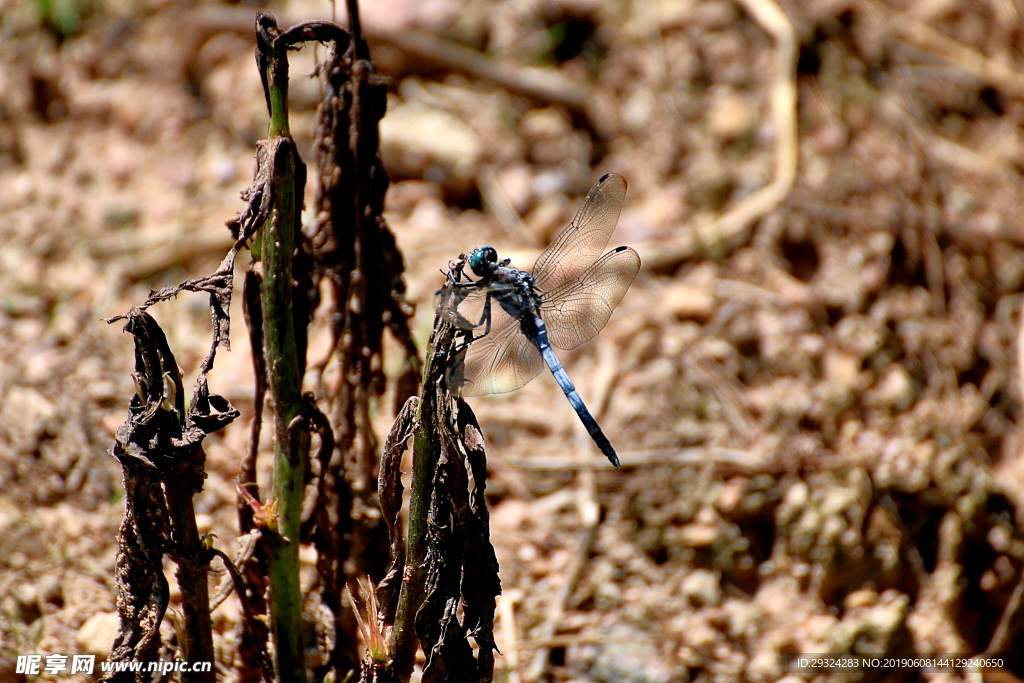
x,y
480,258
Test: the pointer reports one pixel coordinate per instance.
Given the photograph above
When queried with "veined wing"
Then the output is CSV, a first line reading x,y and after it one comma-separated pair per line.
x,y
579,308
497,360
460,306
580,243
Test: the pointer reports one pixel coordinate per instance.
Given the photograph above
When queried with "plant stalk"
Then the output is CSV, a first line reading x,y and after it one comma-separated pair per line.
x,y
284,367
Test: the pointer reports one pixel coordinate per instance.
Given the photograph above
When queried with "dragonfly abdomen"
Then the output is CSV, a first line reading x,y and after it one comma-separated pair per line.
x,y
569,389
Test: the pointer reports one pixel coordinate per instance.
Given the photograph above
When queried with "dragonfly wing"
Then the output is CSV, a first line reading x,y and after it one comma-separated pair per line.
x,y
500,362
578,309
462,306
499,358
582,241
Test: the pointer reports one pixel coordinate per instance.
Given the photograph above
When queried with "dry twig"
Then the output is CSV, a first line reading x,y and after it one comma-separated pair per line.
x,y
783,101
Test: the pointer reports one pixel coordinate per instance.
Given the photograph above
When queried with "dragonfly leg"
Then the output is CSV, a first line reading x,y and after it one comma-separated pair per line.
x,y
467,329
469,335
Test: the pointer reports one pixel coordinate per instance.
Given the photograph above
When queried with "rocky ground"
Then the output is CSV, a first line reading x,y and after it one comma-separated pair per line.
x,y
813,383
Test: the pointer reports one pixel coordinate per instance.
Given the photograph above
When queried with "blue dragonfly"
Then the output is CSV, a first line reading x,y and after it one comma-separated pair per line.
x,y
566,301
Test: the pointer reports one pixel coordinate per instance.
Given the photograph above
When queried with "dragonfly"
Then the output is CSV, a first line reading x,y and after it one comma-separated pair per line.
x,y
510,319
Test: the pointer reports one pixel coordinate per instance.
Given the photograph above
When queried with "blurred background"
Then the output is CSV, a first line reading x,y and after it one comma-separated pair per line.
x,y
813,384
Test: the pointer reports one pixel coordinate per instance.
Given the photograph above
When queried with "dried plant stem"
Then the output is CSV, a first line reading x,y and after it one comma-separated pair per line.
x,y
443,582
193,565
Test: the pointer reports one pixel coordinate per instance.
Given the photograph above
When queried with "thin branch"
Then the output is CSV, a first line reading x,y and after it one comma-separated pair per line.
x,y
784,114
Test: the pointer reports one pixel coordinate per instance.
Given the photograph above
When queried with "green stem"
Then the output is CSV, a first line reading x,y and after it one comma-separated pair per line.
x,y
403,635
426,450
291,445
278,109
284,177
272,57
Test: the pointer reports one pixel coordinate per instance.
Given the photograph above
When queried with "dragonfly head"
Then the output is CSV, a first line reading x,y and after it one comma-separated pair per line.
x,y
483,260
